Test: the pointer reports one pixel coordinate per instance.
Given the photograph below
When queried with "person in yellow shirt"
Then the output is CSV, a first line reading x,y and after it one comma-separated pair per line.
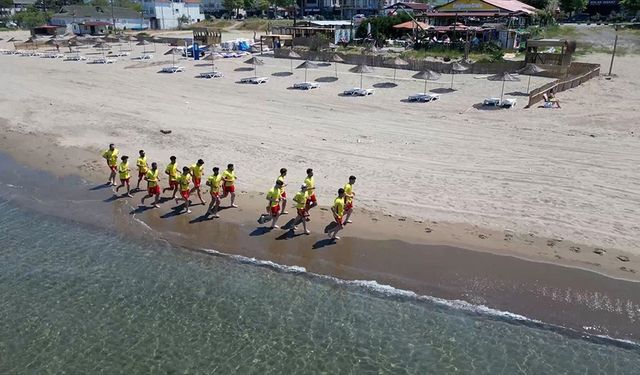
x,y
197,170
312,201
229,186
273,196
111,156
143,167
184,180
338,211
349,196
153,185
215,183
124,174
300,199
172,172
283,174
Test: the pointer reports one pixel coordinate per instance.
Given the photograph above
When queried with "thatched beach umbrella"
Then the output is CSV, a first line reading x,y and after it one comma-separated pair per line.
x,y
307,65
101,46
529,70
255,62
396,62
361,69
504,77
427,75
457,67
212,57
173,52
291,54
335,58
155,40
144,43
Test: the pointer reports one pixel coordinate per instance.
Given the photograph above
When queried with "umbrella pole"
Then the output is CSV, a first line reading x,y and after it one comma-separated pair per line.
x,y
291,61
361,80
394,74
336,66
255,70
425,86
502,93
305,74
528,85
451,80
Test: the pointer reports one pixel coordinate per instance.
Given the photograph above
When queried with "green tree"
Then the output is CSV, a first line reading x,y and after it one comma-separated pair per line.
x,y
232,5
182,20
31,17
571,6
538,4
129,4
100,3
632,6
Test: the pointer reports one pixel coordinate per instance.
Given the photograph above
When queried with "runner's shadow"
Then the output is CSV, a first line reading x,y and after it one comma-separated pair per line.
x,y
163,199
113,198
140,209
331,226
260,231
288,234
322,243
100,187
201,219
290,224
175,211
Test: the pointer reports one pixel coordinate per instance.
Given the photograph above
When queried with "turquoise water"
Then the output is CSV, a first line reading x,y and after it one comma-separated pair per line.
x,y
76,299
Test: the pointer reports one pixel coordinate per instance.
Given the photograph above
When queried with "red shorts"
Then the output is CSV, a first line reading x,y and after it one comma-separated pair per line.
x,y
124,180
173,184
275,210
155,190
185,194
196,182
112,167
141,174
228,189
284,194
312,198
302,212
338,219
348,207
215,194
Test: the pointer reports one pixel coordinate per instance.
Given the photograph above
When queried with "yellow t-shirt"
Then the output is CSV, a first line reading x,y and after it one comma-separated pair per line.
x,y
338,205
142,164
111,156
229,177
301,199
152,178
215,181
123,170
348,190
273,196
311,185
172,169
197,170
184,180
281,178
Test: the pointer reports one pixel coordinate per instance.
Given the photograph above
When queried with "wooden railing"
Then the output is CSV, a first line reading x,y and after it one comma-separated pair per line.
x,y
586,72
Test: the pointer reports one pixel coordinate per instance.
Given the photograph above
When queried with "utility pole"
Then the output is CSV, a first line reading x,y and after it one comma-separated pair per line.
x,y
615,44
113,17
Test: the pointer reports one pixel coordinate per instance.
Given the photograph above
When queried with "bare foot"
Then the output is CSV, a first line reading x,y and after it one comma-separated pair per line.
x,y
234,205
215,215
274,226
335,238
348,222
307,231
188,211
156,206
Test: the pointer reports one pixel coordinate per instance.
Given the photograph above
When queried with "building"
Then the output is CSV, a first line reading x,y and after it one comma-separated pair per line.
x,y
18,5
86,19
167,14
480,11
407,7
349,8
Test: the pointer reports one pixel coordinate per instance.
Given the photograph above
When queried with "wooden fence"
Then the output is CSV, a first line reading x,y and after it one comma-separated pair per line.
x,y
579,73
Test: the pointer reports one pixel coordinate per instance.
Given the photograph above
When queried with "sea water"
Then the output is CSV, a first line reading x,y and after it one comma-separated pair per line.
x,y
81,300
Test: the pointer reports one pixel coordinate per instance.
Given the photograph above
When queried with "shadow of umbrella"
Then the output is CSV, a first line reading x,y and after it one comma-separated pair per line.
x,y
529,70
457,67
291,54
361,69
335,59
504,77
306,65
427,75
255,62
396,62
145,44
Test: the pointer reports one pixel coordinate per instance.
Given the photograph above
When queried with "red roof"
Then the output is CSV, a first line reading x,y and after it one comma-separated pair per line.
x,y
512,5
410,25
466,14
48,27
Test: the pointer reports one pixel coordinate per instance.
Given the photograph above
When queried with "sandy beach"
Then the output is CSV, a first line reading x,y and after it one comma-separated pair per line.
x,y
548,185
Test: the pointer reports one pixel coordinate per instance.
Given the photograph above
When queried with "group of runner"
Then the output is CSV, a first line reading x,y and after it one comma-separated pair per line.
x,y
222,185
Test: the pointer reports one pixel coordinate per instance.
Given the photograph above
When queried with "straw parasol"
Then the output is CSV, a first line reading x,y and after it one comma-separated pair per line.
x,y
212,57
144,43
291,54
155,40
457,67
173,52
396,62
504,77
529,70
101,46
307,65
255,62
427,75
335,58
361,69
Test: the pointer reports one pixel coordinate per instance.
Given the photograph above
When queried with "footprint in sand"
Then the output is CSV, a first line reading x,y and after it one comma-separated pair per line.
x,y
553,242
374,219
599,251
625,269
558,256
428,230
575,249
623,258
402,219
483,236
508,237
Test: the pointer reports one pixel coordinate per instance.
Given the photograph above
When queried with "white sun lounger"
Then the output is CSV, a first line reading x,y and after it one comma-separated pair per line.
x,y
75,58
103,60
255,80
423,97
53,55
491,102
146,56
357,91
509,103
305,85
119,54
172,69
215,74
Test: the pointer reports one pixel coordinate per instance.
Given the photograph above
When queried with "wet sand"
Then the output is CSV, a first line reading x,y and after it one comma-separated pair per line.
x,y
577,299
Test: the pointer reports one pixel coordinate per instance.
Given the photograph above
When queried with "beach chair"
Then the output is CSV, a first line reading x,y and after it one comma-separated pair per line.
x,y
508,103
146,56
103,60
75,58
423,97
52,55
255,80
305,85
172,69
119,54
491,102
211,75
357,91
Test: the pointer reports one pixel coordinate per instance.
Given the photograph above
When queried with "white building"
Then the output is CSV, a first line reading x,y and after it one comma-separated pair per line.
x,y
167,14
86,19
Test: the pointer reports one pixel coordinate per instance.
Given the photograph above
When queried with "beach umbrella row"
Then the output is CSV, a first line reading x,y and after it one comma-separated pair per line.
x,y
396,62
504,77
307,65
530,69
427,75
255,62
361,69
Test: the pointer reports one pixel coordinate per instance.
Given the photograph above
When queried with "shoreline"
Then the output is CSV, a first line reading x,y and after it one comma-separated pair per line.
x,y
575,299
42,151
